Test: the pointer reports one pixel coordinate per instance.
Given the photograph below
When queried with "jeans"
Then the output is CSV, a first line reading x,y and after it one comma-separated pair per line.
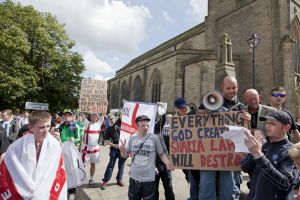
x,y
228,189
114,155
166,177
141,190
194,177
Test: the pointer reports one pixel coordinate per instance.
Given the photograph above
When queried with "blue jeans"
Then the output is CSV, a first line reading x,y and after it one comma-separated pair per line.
x,y
194,177
114,155
228,189
141,190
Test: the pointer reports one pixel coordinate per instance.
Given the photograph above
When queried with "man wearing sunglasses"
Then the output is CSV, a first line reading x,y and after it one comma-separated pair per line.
x,y
277,99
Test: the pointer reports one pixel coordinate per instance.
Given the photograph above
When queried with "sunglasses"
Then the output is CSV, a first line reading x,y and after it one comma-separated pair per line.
x,y
278,95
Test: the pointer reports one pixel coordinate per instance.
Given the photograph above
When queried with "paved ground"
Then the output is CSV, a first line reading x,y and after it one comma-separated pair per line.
x,y
115,192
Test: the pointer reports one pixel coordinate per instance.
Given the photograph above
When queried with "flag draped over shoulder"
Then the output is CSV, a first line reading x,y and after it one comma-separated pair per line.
x,y
73,164
22,177
131,110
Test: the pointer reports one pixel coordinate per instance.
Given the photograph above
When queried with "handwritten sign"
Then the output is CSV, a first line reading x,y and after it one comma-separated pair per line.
x,y
93,96
196,143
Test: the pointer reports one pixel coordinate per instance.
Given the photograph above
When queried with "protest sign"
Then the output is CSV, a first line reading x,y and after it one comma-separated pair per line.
x,y
196,143
130,111
93,96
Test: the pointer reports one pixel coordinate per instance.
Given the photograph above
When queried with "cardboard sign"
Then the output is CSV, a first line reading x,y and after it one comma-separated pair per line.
x,y
93,96
131,110
36,106
196,143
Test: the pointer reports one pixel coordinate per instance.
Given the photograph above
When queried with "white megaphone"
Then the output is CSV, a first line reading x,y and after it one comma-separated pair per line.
x,y
213,100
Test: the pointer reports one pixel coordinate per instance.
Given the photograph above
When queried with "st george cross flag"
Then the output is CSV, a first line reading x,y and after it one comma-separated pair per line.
x,y
131,110
23,177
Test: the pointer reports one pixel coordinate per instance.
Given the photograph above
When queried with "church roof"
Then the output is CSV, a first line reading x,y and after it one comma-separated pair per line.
x,y
169,43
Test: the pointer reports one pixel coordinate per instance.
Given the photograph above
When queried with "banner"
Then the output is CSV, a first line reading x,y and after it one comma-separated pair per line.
x,y
131,110
196,143
36,106
93,96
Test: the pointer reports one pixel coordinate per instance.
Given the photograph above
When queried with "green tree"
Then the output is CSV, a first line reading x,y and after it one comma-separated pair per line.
x,y
36,60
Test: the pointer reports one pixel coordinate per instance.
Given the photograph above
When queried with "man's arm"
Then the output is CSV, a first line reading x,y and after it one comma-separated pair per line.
x,y
248,163
284,177
166,160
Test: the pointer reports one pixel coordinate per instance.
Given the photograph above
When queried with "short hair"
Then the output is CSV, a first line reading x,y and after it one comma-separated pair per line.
x,y
278,88
38,116
7,111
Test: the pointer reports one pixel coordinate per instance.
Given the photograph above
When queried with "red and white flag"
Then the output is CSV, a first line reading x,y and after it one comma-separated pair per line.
x,y
131,110
22,177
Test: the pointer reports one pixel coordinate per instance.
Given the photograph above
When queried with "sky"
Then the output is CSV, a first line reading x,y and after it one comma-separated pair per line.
x,y
110,33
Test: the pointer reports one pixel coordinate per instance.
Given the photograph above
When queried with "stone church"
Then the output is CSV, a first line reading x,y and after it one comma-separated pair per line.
x,y
196,61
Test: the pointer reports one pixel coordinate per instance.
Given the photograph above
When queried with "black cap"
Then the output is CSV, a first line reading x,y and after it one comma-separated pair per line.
x,y
142,118
280,116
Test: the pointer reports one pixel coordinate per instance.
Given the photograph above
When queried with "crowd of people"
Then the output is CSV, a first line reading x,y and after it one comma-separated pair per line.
x,y
27,140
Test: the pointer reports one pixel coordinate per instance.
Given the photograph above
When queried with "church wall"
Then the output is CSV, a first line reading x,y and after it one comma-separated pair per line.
x,y
240,24
199,79
167,70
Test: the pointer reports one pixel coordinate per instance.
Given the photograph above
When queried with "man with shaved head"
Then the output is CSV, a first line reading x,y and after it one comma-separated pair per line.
x,y
255,109
228,182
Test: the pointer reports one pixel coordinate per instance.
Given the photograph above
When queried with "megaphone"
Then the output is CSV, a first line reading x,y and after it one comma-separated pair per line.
x,y
213,100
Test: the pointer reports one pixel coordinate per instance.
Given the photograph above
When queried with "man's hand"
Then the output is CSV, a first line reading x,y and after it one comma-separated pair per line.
x,y
122,148
246,116
111,144
254,146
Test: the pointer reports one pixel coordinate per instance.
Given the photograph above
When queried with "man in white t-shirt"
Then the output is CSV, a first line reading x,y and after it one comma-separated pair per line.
x,y
91,149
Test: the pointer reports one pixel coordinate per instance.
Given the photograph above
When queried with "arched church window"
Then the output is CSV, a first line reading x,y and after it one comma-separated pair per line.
x,y
137,89
295,35
114,96
125,92
155,86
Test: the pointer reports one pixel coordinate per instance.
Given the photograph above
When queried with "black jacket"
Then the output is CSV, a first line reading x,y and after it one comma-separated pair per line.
x,y
112,133
274,174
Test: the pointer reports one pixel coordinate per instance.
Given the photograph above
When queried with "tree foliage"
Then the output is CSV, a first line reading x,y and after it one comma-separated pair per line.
x,y
37,63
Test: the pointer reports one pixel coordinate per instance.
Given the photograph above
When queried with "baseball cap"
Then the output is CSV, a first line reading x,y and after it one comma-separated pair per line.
x,y
142,118
279,116
180,103
68,111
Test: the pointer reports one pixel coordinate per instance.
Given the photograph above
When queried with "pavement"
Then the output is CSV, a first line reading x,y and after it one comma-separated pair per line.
x,y
115,192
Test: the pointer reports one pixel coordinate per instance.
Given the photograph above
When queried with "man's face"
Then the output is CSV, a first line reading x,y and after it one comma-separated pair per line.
x,y
94,118
182,111
252,100
275,129
277,98
112,121
26,114
143,127
230,89
5,116
41,129
68,117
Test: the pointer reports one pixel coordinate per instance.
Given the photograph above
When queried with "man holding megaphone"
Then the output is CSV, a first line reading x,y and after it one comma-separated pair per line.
x,y
228,182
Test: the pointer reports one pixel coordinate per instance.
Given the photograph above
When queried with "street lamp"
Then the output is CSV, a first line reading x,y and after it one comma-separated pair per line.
x,y
253,43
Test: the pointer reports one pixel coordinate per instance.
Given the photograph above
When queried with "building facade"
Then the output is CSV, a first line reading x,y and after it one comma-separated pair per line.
x,y
196,61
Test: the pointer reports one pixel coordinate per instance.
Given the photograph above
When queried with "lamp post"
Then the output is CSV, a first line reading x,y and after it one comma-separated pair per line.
x,y
253,43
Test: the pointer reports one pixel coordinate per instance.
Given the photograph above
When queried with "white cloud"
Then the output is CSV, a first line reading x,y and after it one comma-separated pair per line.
x,y
99,25
95,65
168,18
101,77
199,9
